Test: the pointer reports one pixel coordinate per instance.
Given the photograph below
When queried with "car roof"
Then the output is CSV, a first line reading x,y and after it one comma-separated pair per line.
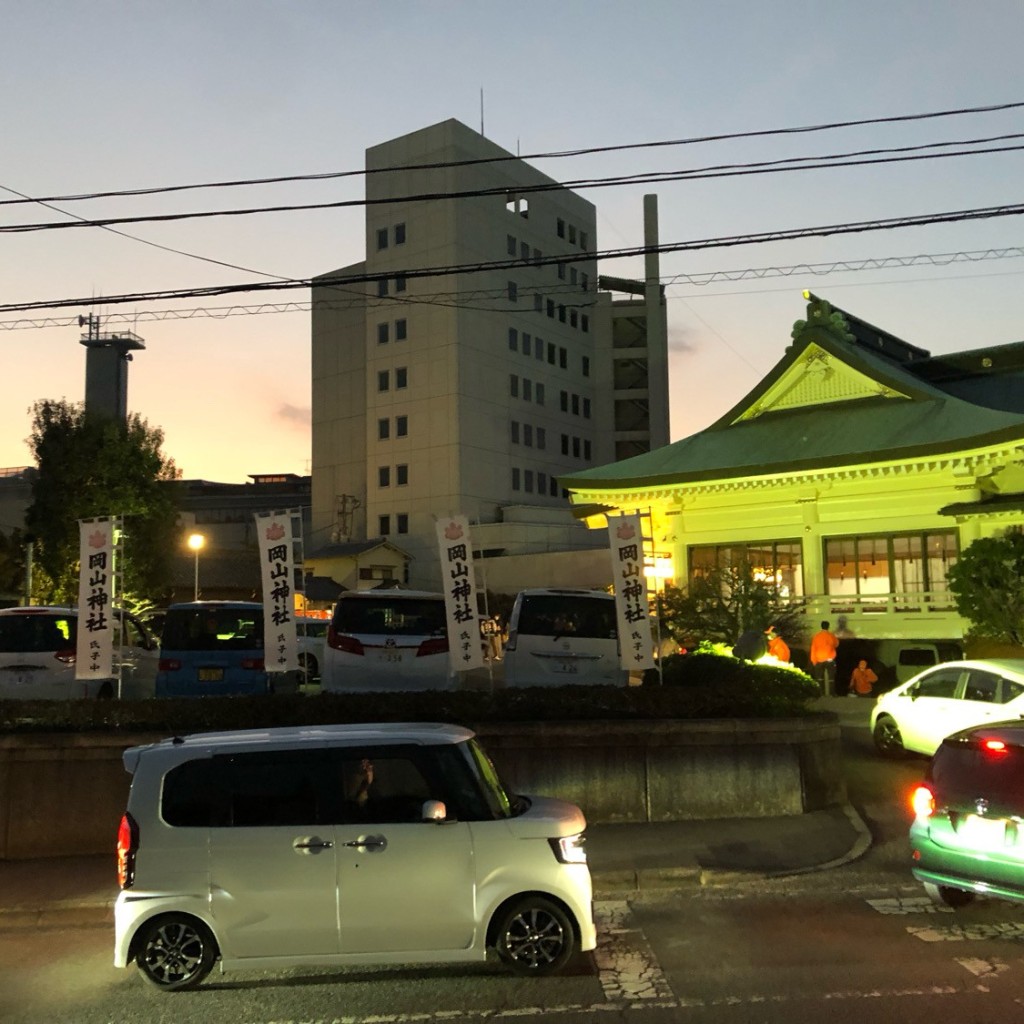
x,y
1010,731
39,609
1015,665
214,604
565,592
285,737
364,595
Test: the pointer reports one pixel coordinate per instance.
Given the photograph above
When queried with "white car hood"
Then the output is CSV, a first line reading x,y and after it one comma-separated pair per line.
x,y
547,818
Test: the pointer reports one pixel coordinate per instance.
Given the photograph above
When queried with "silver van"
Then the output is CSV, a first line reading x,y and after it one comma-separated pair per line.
x,y
339,845
560,636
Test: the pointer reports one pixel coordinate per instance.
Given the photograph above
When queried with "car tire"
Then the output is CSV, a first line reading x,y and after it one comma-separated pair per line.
x,y
534,936
309,666
175,952
947,896
887,737
106,691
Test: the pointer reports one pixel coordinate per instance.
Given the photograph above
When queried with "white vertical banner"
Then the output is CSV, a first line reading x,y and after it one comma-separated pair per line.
x,y
626,542
277,572
465,645
95,645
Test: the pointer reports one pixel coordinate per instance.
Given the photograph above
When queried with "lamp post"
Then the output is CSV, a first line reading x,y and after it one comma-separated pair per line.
x,y
196,542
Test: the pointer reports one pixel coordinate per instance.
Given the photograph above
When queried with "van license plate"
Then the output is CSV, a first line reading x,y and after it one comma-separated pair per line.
x,y
985,832
211,675
569,667
390,656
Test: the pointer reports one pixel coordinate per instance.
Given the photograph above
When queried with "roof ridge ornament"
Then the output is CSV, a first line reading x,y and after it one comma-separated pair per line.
x,y
820,314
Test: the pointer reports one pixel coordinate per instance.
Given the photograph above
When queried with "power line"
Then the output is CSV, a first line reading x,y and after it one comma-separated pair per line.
x,y
549,155
830,161
855,227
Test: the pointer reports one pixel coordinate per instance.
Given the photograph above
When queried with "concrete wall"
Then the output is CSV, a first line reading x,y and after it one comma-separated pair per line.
x,y
63,795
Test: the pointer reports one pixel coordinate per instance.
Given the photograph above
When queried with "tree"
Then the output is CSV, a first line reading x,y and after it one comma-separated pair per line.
x,y
987,582
725,603
91,466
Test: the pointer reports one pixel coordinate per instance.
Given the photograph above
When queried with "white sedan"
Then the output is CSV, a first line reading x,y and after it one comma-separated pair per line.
x,y
952,695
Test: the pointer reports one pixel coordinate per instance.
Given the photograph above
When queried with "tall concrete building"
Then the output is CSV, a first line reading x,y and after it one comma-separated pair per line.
x,y
472,359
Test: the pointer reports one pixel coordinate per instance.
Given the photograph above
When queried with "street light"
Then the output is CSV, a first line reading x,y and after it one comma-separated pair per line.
x,y
195,542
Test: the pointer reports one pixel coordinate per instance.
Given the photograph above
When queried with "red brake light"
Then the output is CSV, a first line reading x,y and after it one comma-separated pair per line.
x,y
994,747
127,846
66,656
342,642
436,645
256,663
923,802
169,665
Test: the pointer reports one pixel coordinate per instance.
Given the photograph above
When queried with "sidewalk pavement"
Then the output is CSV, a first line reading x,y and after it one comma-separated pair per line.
x,y
624,858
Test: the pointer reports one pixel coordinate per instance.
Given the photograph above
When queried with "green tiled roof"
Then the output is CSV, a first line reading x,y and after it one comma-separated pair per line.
x,y
844,433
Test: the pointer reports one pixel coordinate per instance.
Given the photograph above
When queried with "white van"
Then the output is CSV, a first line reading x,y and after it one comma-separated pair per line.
x,y
388,640
560,636
340,845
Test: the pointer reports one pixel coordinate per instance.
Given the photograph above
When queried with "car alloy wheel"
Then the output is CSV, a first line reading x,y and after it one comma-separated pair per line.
x,y
175,952
887,737
535,936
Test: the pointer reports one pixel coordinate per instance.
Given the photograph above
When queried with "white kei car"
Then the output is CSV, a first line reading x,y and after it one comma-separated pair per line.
x,y
945,698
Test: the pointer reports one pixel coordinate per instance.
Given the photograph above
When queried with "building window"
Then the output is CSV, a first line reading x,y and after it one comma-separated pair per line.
x,y
560,228
563,358
574,318
384,476
528,435
510,244
551,308
527,389
401,474
526,344
401,426
586,408
402,522
586,449
563,401
400,329
770,561
383,380
524,252
583,281
585,323
515,478
383,429
383,331
572,276
542,482
575,447
514,431
399,234
586,366
561,313
382,238
528,481
553,487
575,405
561,271
538,348
539,392
400,283
513,292
401,377
874,567
383,525
565,444
382,286
513,339
542,438
572,234
513,385
551,354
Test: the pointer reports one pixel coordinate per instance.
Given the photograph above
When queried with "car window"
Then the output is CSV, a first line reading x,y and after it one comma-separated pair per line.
x,y
379,787
963,772
567,615
212,629
940,683
395,617
1010,690
37,633
981,686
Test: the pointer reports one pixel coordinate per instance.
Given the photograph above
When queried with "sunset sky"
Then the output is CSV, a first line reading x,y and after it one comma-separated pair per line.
x,y
113,96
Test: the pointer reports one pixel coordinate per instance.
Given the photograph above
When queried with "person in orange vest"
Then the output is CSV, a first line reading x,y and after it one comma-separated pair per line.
x,y
824,647
862,680
777,647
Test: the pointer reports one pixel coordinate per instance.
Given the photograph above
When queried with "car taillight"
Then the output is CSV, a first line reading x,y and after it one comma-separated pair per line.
x,y
923,802
255,663
65,656
343,642
994,747
127,847
168,665
436,645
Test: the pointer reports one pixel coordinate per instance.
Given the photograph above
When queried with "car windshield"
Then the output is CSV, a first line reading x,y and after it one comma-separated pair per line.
x,y
395,617
503,804
963,773
36,633
212,629
567,615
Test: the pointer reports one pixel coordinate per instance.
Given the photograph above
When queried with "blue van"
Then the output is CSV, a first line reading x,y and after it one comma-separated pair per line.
x,y
212,649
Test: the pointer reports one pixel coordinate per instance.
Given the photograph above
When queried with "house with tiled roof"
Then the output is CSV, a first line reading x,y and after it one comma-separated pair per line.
x,y
853,475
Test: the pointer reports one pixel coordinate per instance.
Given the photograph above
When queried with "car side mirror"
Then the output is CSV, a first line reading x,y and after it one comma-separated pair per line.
x,y
434,810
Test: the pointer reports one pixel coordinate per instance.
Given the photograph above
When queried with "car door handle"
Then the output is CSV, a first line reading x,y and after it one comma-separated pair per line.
x,y
312,844
368,843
